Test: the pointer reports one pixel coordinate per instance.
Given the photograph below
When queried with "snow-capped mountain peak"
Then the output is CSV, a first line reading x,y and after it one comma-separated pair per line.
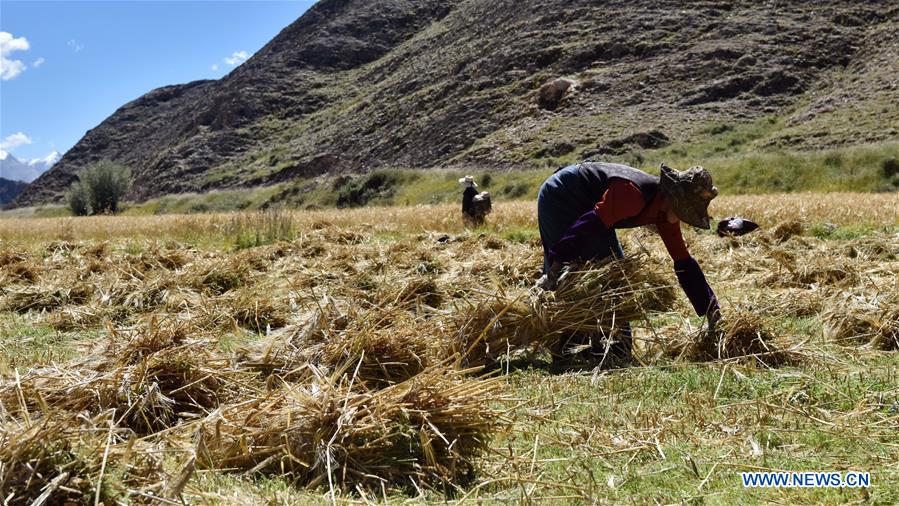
x,y
25,170
46,161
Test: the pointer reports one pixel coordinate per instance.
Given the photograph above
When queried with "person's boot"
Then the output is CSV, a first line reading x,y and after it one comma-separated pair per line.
x,y
571,353
614,350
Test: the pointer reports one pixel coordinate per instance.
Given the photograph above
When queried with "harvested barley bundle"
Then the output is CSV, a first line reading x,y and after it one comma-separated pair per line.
x,y
58,460
381,357
607,293
873,248
8,257
786,230
826,271
139,293
853,319
151,394
291,351
493,327
429,429
168,386
260,309
795,302
69,319
810,271
171,257
18,272
742,334
595,299
46,296
215,277
422,289
131,346
40,463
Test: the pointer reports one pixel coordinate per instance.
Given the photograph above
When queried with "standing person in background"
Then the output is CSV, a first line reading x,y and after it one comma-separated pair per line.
x,y
475,206
580,206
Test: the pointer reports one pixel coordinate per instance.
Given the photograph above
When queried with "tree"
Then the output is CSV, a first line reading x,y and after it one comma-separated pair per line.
x,y
100,188
78,199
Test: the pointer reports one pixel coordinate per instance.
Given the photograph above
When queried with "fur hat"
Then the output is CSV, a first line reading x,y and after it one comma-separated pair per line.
x,y
689,192
467,181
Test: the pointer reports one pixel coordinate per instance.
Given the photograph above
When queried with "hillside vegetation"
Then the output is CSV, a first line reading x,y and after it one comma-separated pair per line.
x,y
354,86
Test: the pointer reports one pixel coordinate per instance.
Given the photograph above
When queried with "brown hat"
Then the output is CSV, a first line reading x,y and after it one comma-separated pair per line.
x,y
690,192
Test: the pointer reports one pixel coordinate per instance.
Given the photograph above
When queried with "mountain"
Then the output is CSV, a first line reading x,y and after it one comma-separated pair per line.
x,y
42,165
12,168
10,189
355,85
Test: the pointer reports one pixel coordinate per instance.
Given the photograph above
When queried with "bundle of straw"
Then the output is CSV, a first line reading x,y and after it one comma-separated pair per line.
x,y
429,429
46,296
742,334
215,277
381,357
155,393
873,322
40,463
260,309
153,381
71,459
606,295
494,327
595,299
415,289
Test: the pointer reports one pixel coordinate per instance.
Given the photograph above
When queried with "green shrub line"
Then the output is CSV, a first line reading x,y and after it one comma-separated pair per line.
x,y
862,168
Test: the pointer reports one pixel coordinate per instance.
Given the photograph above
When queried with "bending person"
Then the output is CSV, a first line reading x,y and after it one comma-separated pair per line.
x,y
580,207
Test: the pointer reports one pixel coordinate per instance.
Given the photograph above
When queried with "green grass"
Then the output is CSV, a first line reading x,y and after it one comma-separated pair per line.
x,y
24,342
683,433
727,150
211,202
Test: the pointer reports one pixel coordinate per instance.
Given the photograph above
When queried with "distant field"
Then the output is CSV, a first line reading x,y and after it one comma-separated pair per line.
x,y
269,357
727,151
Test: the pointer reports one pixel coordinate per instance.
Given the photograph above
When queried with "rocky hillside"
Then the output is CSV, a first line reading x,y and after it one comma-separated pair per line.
x,y
10,189
355,84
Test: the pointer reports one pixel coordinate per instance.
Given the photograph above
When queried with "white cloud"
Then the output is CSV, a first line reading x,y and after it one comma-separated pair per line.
x,y
75,45
215,67
37,63
15,140
236,58
10,68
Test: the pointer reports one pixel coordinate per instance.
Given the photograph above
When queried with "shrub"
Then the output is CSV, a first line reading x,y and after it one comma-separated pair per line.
x,y
99,189
78,199
890,167
380,186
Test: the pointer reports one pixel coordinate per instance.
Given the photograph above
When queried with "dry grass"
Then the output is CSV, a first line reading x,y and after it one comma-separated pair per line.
x,y
338,362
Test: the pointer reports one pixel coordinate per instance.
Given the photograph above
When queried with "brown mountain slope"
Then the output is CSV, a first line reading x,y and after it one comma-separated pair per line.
x,y
356,84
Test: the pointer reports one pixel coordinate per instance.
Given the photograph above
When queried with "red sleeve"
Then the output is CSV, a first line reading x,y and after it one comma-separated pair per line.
x,y
622,200
673,239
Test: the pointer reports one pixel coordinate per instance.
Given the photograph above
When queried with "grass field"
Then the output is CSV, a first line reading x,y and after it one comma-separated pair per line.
x,y
318,356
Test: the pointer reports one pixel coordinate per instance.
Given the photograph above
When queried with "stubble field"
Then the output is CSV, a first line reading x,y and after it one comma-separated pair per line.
x,y
389,354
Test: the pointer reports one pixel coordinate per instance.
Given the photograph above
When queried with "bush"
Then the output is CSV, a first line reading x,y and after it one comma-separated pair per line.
x,y
380,187
99,189
890,167
78,199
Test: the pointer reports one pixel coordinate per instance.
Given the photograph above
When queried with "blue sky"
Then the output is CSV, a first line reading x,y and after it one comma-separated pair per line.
x,y
67,65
